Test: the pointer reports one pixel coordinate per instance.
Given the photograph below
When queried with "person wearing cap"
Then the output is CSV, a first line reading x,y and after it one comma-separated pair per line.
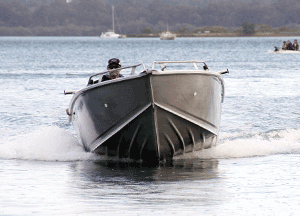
x,y
113,63
283,45
296,45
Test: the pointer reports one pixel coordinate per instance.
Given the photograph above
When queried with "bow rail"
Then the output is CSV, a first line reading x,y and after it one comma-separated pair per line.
x,y
194,62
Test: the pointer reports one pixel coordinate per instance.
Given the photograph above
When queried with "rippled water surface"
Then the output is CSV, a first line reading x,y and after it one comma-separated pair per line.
x,y
254,169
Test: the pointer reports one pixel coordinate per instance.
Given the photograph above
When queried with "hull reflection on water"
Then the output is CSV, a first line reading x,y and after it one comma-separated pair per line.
x,y
114,171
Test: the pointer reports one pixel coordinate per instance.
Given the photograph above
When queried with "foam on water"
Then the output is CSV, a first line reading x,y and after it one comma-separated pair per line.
x,y
48,143
51,143
251,145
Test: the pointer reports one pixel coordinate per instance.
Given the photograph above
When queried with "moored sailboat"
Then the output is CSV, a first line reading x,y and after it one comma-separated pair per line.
x,y
167,35
110,34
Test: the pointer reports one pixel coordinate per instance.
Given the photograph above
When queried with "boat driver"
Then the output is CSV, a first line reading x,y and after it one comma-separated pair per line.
x,y
113,63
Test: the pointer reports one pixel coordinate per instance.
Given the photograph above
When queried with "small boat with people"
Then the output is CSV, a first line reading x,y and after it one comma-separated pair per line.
x,y
288,47
149,115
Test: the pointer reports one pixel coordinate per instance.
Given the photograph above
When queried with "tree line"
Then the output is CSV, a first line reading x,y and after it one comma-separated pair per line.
x,y
91,17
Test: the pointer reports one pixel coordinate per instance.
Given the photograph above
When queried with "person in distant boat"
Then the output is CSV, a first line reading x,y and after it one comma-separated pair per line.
x,y
113,63
283,45
296,45
289,45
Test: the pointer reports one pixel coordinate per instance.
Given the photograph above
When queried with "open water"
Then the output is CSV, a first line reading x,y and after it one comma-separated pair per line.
x,y
254,169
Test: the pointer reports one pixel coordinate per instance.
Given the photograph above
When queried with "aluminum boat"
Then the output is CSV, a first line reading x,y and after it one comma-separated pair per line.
x,y
151,115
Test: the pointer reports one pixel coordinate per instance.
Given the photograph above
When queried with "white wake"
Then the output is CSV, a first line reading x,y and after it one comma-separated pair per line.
x,y
49,143
251,145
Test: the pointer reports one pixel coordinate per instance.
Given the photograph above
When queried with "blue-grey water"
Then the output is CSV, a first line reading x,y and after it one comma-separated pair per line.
x,y
254,169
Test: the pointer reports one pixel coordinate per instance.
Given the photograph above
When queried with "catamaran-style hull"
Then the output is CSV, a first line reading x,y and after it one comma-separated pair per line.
x,y
149,117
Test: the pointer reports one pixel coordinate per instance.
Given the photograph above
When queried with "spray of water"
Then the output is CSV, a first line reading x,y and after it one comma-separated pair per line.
x,y
251,145
49,143
52,143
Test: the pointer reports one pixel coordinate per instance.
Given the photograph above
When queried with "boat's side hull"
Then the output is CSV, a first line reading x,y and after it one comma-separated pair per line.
x,y
101,110
151,117
287,51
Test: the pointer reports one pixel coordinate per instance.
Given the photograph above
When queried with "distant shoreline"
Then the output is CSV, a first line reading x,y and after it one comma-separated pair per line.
x,y
143,36
72,31
287,34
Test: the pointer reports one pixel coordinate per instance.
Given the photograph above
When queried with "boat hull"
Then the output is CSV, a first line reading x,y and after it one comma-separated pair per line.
x,y
287,51
167,38
149,117
110,35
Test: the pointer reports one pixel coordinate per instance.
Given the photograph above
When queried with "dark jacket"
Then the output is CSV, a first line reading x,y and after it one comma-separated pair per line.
x,y
105,77
289,46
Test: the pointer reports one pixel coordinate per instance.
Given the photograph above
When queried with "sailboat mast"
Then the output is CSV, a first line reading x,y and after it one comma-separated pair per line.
x,y
113,17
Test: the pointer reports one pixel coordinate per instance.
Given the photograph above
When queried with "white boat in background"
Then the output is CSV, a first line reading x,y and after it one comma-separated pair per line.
x,y
167,35
110,34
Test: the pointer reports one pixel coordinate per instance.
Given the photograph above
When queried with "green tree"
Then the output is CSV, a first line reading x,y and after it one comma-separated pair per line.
x,y
183,30
147,31
248,28
264,28
14,14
